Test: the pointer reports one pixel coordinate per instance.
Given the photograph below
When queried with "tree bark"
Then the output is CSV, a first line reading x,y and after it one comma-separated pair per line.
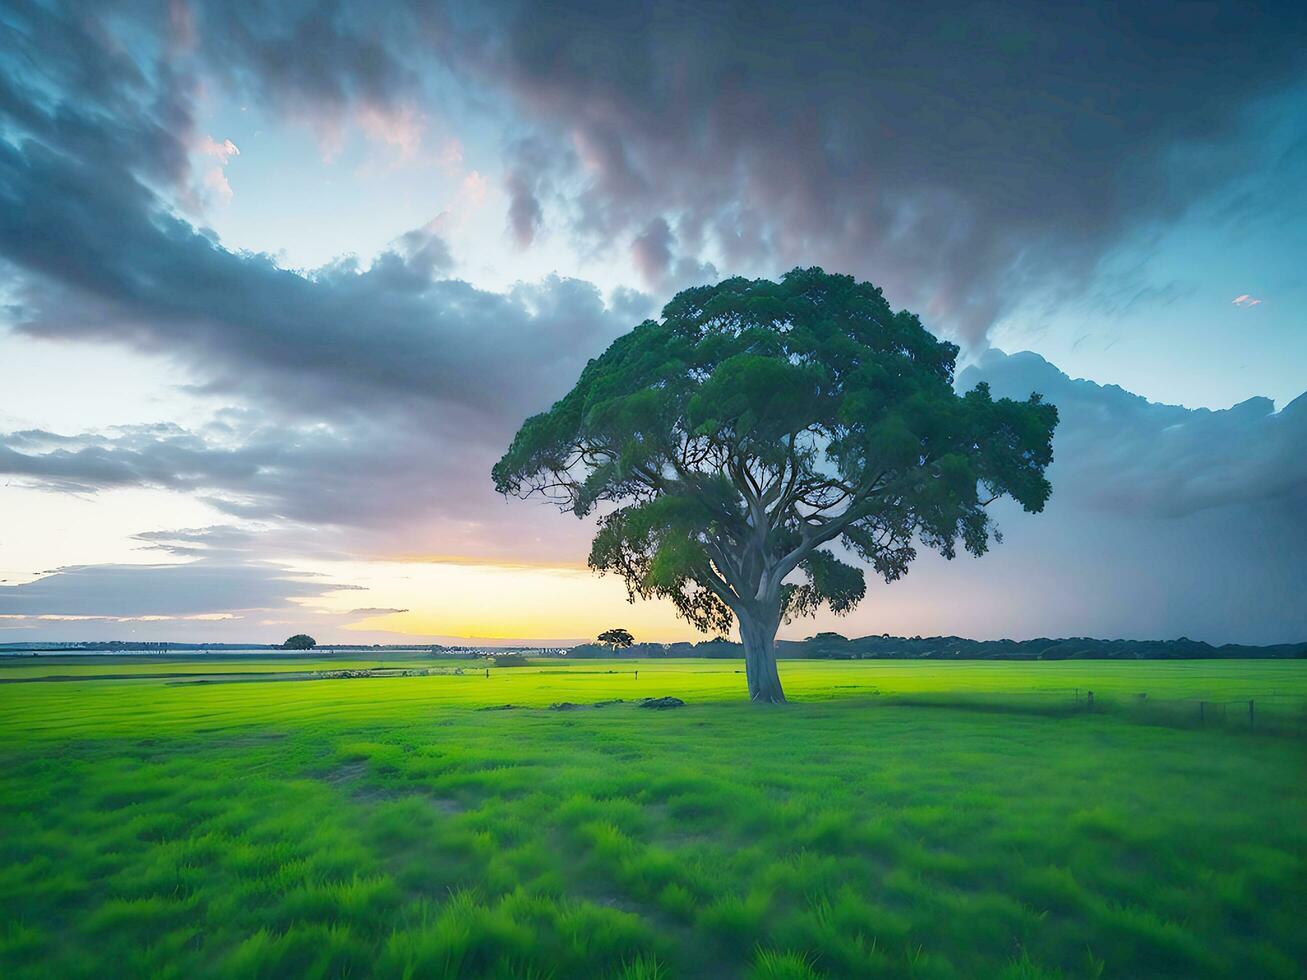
x,y
758,634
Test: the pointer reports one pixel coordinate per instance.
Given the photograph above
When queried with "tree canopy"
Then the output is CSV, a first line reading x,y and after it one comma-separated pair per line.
x,y
617,638
300,641
741,449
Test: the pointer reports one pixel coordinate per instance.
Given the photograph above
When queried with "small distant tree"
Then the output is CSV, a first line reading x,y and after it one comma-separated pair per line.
x,y
618,639
741,449
300,641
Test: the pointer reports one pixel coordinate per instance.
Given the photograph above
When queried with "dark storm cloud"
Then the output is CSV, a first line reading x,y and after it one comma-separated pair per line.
x,y
652,251
524,213
314,57
655,256
67,80
103,260
96,253
951,152
384,393
526,179
961,155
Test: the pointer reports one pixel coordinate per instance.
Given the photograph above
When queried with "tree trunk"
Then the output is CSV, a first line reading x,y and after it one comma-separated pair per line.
x,y
758,634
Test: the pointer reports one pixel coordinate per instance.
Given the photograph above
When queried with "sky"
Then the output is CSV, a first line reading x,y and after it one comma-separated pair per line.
x,y
279,281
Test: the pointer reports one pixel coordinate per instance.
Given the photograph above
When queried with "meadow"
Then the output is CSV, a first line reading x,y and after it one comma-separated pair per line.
x,y
897,819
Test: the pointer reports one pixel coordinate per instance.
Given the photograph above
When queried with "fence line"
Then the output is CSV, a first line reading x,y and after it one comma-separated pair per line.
x,y
1266,713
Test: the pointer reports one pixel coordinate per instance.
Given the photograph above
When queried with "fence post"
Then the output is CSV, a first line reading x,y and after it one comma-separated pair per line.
x,y
1089,700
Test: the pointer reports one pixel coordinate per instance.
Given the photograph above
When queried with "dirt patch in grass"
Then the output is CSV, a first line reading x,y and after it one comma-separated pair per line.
x,y
346,774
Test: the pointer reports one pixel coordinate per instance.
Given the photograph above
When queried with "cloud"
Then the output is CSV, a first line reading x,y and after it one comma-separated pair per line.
x,y
401,128
419,256
959,157
218,540
524,179
373,399
525,215
375,611
1116,451
361,487
474,188
172,591
1245,300
214,176
213,599
222,152
1164,522
341,335
963,159
652,251
315,61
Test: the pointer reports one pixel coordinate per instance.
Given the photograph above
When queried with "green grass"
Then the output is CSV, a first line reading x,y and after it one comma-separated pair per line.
x,y
91,666
878,826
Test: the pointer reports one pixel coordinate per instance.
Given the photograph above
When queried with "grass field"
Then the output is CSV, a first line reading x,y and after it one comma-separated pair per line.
x,y
880,825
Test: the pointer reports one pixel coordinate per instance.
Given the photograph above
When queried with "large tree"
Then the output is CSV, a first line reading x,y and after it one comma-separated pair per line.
x,y
743,446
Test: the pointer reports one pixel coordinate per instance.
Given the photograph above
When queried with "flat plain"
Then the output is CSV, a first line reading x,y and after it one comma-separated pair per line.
x,y
898,818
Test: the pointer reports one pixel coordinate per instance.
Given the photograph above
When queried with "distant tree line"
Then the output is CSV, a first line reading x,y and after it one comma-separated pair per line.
x,y
823,646
833,646
711,649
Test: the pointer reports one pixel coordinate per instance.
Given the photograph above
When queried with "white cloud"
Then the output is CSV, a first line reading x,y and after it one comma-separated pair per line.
x,y
214,176
401,128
